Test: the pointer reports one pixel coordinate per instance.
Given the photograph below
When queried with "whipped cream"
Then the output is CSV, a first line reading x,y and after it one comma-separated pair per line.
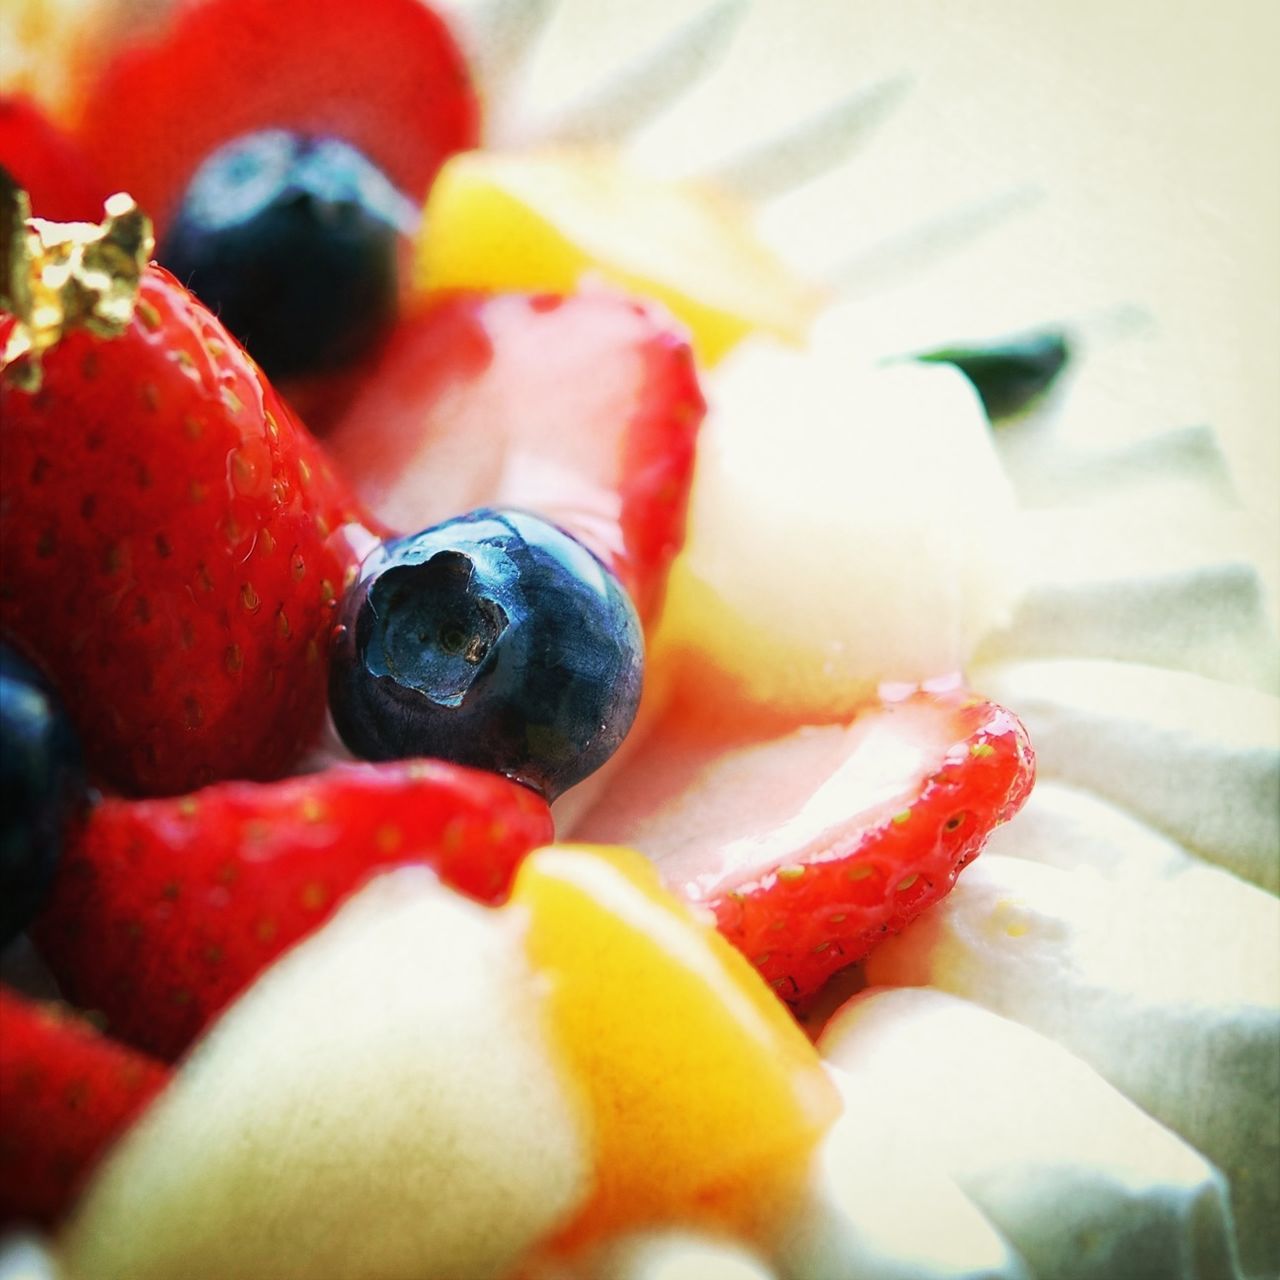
x,y
372,1101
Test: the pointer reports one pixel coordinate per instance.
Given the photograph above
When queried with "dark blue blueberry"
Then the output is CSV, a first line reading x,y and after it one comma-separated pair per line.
x,y
494,640
293,241
42,789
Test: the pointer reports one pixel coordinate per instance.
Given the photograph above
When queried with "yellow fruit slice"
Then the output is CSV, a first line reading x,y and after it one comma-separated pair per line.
x,y
546,221
702,1095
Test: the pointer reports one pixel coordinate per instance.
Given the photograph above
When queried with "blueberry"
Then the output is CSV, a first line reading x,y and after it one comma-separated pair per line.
x,y
42,786
494,640
293,240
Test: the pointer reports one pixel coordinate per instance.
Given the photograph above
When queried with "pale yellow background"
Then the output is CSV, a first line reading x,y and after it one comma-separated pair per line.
x,y
1139,139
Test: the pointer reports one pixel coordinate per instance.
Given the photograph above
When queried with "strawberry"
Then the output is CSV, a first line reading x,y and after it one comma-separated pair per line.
x,y
388,79
589,405
165,909
811,845
171,554
66,1093
47,164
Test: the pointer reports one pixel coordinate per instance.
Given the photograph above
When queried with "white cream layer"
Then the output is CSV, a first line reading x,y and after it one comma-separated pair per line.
x,y
1165,987
383,1100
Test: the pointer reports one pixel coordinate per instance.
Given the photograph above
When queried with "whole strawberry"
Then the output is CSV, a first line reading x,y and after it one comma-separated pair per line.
x,y
172,535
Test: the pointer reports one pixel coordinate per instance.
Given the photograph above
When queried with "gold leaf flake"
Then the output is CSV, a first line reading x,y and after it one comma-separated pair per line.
x,y
55,277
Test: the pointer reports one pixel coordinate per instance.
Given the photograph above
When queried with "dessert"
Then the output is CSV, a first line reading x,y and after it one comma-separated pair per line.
x,y
565,1000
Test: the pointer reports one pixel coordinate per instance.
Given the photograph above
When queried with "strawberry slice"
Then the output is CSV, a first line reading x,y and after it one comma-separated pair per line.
x,y
46,164
583,410
387,78
66,1093
165,909
811,845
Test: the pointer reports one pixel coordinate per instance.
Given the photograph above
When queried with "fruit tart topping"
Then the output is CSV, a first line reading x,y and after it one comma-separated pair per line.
x,y
164,910
173,545
42,789
496,640
66,1093
461,1087
583,410
549,220
382,1102
292,241
812,845
393,85
57,277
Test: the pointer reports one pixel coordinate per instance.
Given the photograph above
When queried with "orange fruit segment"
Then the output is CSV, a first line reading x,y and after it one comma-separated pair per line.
x,y
702,1094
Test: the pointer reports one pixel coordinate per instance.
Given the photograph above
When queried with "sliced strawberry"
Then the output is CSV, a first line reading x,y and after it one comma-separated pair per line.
x,y
47,165
811,845
583,410
66,1093
171,553
166,909
386,77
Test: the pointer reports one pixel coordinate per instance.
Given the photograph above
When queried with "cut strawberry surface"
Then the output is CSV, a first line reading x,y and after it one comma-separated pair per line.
x,y
66,1092
166,909
389,80
583,410
810,845
46,163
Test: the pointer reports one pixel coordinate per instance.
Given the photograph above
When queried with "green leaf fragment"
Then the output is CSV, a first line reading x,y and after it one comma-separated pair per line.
x,y
1011,374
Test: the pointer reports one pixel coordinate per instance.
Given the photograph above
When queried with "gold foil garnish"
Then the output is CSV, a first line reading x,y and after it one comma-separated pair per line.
x,y
59,276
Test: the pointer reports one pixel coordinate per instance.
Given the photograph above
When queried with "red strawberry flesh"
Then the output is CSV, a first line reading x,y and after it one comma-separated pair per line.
x,y
172,549
66,1093
583,410
164,910
385,76
810,845
47,165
